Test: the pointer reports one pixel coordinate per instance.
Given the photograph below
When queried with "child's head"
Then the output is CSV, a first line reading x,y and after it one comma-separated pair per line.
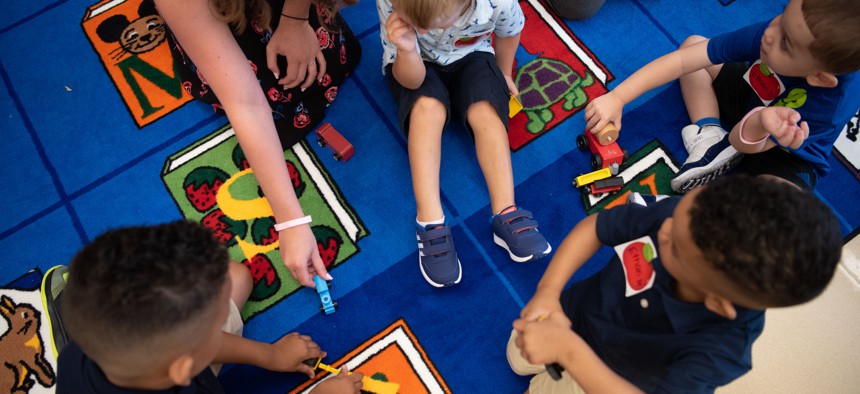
x,y
146,303
753,242
431,14
816,39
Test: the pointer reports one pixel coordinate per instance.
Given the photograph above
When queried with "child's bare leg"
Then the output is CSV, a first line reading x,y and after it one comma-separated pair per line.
x,y
426,121
242,283
699,96
494,155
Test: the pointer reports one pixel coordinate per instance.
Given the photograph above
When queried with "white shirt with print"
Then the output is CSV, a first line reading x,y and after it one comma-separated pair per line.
x,y
471,32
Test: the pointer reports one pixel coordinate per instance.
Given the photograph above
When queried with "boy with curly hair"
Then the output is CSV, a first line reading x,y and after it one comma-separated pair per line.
x,y
785,88
438,56
148,308
677,310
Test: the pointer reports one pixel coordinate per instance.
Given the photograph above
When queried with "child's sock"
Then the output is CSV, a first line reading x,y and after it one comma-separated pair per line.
x,y
434,223
708,121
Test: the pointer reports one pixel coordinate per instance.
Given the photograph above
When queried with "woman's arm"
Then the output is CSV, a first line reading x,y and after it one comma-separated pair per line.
x,y
211,46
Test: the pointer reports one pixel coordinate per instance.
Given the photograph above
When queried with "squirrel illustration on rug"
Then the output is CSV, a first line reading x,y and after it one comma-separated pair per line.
x,y
21,349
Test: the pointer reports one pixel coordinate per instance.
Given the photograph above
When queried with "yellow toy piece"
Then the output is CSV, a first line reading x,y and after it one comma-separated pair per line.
x,y
515,106
590,177
368,384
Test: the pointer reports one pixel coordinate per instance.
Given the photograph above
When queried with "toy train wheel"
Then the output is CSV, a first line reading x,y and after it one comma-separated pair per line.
x,y
337,156
624,159
321,142
596,162
582,143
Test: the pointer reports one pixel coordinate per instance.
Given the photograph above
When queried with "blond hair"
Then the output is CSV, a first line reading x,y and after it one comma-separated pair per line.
x,y
425,13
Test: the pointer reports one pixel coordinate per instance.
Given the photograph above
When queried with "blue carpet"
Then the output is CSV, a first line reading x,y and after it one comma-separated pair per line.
x,y
76,163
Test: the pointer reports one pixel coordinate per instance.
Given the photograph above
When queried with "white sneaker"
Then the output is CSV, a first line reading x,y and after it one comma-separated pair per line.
x,y
710,155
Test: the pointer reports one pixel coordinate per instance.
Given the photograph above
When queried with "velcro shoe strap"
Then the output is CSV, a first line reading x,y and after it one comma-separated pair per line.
x,y
523,220
443,245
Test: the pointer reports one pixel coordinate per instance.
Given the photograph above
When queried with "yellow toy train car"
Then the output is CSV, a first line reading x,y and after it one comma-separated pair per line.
x,y
590,177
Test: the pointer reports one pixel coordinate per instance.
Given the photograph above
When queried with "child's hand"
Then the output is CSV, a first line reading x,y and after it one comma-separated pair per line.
x,y
400,33
512,86
543,341
602,110
288,353
541,305
342,383
784,124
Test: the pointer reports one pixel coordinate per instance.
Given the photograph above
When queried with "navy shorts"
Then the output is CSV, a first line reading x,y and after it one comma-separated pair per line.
x,y
735,98
458,85
734,95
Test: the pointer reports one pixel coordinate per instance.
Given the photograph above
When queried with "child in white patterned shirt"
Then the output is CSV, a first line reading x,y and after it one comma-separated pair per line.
x,y
438,55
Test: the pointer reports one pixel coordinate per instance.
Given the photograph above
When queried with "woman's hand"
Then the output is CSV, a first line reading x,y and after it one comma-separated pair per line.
x,y
297,41
301,255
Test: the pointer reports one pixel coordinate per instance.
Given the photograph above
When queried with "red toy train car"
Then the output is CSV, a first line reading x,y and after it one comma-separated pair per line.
x,y
329,137
601,155
608,185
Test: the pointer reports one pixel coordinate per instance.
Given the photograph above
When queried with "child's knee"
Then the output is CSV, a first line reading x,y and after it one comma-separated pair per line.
x,y
692,40
482,112
241,281
428,107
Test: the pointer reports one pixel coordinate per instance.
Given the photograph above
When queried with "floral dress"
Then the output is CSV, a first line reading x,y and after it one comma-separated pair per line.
x,y
295,112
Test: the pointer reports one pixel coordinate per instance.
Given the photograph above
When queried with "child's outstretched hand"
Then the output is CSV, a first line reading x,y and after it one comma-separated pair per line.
x,y
289,352
602,110
541,305
400,33
784,124
542,341
342,383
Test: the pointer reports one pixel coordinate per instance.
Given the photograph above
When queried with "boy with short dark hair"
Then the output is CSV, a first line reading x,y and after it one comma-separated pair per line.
x,y
144,308
440,60
784,88
679,307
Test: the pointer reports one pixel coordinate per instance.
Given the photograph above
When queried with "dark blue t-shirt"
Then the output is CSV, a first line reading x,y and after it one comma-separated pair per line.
x,y
826,110
652,339
78,374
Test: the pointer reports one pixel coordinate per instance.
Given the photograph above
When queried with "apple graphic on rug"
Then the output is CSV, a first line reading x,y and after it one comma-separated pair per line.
x,y
637,258
764,82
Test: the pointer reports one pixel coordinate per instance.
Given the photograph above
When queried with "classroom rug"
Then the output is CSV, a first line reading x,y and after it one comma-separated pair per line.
x,y
99,133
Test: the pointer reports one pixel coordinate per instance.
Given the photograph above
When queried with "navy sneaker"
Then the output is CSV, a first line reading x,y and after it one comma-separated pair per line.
x,y
711,155
436,256
516,230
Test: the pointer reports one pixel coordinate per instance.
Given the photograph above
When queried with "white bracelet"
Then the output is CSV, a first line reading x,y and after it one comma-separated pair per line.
x,y
293,223
741,128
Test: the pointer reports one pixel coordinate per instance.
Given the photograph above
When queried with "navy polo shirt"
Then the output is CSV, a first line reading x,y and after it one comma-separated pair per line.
x,y
78,374
652,339
826,110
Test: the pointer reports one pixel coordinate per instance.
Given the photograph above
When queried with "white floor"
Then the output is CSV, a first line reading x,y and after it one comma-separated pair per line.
x,y
811,348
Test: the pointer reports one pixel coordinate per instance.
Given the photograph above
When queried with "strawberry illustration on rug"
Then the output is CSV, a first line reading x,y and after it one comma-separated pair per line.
x,y
211,182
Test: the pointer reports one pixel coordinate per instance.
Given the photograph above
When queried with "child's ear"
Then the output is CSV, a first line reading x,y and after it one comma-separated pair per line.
x,y
179,370
822,79
720,306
